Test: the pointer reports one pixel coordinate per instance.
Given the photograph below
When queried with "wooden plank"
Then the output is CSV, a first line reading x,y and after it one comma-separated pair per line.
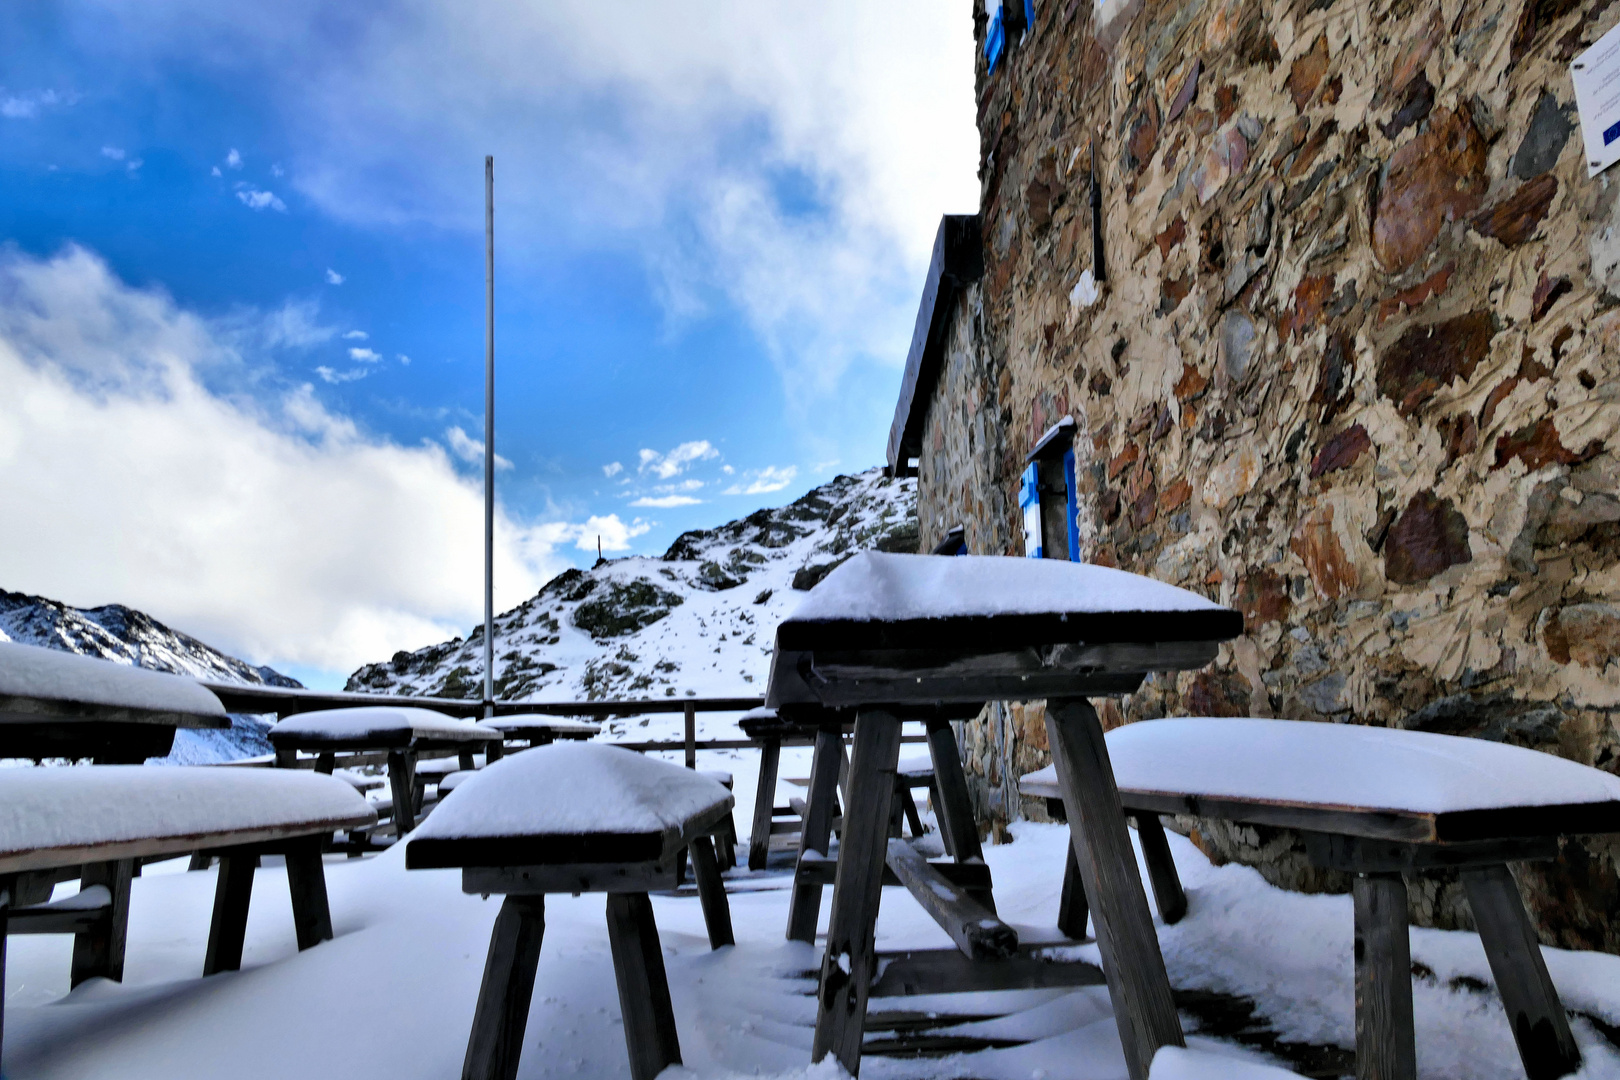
x,y
232,894
1137,984
1361,855
502,1015
569,878
638,962
850,960
540,849
712,892
26,711
1386,1047
99,950
402,783
288,701
1073,912
815,834
974,928
1161,866
955,811
51,919
306,881
947,971
968,876
1534,1012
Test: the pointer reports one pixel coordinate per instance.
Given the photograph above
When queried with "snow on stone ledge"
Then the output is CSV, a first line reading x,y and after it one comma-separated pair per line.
x,y
91,805
572,789
32,672
382,722
1297,761
876,586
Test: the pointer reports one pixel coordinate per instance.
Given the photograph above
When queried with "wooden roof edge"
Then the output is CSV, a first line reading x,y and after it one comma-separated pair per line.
x,y
957,261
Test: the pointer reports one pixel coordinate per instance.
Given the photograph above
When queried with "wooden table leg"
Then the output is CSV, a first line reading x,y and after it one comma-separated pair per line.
x,y
850,962
804,910
759,839
232,894
5,916
1167,890
402,782
712,892
101,951
502,1015
306,881
909,806
1072,908
649,1018
1386,1047
956,804
1137,983
1540,1027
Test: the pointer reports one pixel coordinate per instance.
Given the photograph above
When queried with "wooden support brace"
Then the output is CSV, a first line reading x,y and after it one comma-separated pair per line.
x,y
1161,867
1539,1024
1072,910
232,894
976,930
947,971
1137,983
909,805
804,909
712,892
759,837
306,881
502,1015
649,1018
956,809
1386,1046
100,951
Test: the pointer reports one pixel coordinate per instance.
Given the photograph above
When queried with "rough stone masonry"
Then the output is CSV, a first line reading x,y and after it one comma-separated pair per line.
x,y
1353,371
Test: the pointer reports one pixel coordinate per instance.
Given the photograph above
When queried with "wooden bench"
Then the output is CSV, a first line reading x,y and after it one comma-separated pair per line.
x,y
96,821
1379,804
537,729
573,818
402,732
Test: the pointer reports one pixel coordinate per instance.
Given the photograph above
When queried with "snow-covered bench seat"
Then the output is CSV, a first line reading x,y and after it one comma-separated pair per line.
x,y
538,729
402,731
1377,803
58,704
577,817
104,817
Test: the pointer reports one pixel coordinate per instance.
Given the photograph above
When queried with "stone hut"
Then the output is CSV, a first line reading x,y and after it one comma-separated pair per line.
x,y
1350,363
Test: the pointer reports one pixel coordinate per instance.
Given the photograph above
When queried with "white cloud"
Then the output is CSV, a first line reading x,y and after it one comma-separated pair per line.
x,y
277,170
133,165
758,482
254,199
356,335
471,450
113,152
215,171
677,460
277,530
665,502
233,160
727,469
332,375
612,469
404,359
296,325
333,277
27,106
364,356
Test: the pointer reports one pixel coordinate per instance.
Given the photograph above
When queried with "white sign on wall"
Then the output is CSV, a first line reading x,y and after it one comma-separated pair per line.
x,y
1596,73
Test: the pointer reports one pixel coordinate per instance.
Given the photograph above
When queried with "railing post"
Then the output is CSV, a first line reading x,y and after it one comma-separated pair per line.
x,y
691,734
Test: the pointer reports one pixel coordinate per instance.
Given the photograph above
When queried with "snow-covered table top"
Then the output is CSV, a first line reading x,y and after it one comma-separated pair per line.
x,y
539,725
44,686
52,817
572,802
375,727
1241,767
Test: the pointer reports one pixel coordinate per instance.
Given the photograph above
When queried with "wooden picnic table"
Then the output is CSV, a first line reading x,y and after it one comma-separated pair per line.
x,y
886,632
401,732
59,704
538,729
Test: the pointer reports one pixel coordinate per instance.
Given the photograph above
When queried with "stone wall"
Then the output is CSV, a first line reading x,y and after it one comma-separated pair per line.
x,y
1353,372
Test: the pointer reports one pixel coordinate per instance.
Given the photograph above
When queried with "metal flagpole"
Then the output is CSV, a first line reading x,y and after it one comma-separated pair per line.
x,y
489,435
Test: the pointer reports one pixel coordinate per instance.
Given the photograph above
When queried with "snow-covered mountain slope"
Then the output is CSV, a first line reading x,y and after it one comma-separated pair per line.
x,y
698,621
126,636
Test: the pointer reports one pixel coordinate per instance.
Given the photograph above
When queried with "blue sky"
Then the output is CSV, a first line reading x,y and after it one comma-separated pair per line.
x,y
241,290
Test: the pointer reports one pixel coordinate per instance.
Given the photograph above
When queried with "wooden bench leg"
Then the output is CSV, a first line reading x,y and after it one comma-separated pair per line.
x,y
325,762
402,782
464,761
1386,1046
100,952
712,892
306,880
804,909
956,805
850,961
1072,909
909,806
1137,983
649,1019
1161,866
727,843
759,838
1540,1027
502,1015
200,860
232,895
5,917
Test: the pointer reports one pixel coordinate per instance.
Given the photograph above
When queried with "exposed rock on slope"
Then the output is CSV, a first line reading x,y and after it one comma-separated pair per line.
x,y
698,621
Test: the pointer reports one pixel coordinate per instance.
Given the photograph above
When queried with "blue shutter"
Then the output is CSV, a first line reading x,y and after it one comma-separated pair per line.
x,y
1073,505
1029,501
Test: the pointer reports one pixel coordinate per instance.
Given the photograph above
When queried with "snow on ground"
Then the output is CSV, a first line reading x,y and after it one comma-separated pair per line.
x,y
392,997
